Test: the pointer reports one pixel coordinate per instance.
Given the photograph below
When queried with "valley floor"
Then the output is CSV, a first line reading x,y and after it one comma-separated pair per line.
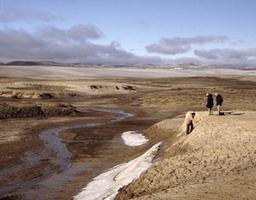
x,y
30,106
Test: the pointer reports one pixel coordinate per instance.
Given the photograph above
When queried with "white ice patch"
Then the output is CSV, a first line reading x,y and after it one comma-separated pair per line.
x,y
133,138
106,185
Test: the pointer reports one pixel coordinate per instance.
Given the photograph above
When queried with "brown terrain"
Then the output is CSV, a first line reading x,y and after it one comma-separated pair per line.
x,y
216,161
187,167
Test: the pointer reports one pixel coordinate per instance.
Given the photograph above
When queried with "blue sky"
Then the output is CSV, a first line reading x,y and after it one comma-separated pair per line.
x,y
136,24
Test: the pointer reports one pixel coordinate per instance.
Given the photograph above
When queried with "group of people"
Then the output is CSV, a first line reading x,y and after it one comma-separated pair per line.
x,y
209,105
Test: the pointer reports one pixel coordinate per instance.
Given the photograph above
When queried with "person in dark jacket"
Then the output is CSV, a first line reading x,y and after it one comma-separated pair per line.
x,y
209,103
219,101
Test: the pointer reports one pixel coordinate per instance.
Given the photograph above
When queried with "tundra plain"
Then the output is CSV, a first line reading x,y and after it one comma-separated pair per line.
x,y
33,103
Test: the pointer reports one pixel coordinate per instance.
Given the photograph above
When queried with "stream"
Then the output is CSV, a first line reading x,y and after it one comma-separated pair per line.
x,y
53,142
65,171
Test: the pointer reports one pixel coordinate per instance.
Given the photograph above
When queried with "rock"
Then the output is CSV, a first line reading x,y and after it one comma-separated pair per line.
x,y
128,87
46,96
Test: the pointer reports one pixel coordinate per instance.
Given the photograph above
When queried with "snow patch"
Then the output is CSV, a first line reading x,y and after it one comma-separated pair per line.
x,y
106,185
133,138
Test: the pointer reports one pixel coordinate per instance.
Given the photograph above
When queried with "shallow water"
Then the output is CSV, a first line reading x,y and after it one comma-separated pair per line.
x,y
53,142
63,173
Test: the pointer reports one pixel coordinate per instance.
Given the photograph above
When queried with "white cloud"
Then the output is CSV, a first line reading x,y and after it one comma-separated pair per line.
x,y
19,15
233,56
75,44
178,45
76,33
66,45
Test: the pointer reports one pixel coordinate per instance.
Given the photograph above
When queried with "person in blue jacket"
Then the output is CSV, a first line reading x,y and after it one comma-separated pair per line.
x,y
219,101
209,103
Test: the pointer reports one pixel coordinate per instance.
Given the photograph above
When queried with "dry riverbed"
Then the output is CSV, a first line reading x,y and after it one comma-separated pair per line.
x,y
31,168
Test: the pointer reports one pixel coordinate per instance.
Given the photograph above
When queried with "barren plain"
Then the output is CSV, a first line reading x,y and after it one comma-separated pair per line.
x,y
57,134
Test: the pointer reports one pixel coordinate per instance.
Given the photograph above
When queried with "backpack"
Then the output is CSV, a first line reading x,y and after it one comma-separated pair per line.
x,y
221,99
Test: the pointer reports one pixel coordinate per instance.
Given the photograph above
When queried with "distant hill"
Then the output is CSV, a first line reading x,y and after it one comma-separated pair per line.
x,y
185,65
31,63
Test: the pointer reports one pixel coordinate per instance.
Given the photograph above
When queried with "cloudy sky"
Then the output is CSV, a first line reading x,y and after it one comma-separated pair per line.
x,y
130,32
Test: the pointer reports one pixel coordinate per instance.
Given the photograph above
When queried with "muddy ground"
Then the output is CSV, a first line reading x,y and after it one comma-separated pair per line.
x,y
27,169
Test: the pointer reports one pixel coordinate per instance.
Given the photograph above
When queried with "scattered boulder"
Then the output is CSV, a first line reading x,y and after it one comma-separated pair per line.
x,y
96,87
128,87
46,96
109,88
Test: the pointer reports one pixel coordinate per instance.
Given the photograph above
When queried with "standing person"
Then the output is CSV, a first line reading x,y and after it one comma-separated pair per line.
x,y
219,101
189,122
209,103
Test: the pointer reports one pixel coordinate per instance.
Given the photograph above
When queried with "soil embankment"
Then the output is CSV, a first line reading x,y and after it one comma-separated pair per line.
x,y
11,110
216,161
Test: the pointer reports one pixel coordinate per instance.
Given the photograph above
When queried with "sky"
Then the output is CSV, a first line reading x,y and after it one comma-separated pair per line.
x,y
133,32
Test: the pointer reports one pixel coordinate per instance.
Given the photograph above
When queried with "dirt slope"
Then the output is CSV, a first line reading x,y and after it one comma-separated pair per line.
x,y
216,161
